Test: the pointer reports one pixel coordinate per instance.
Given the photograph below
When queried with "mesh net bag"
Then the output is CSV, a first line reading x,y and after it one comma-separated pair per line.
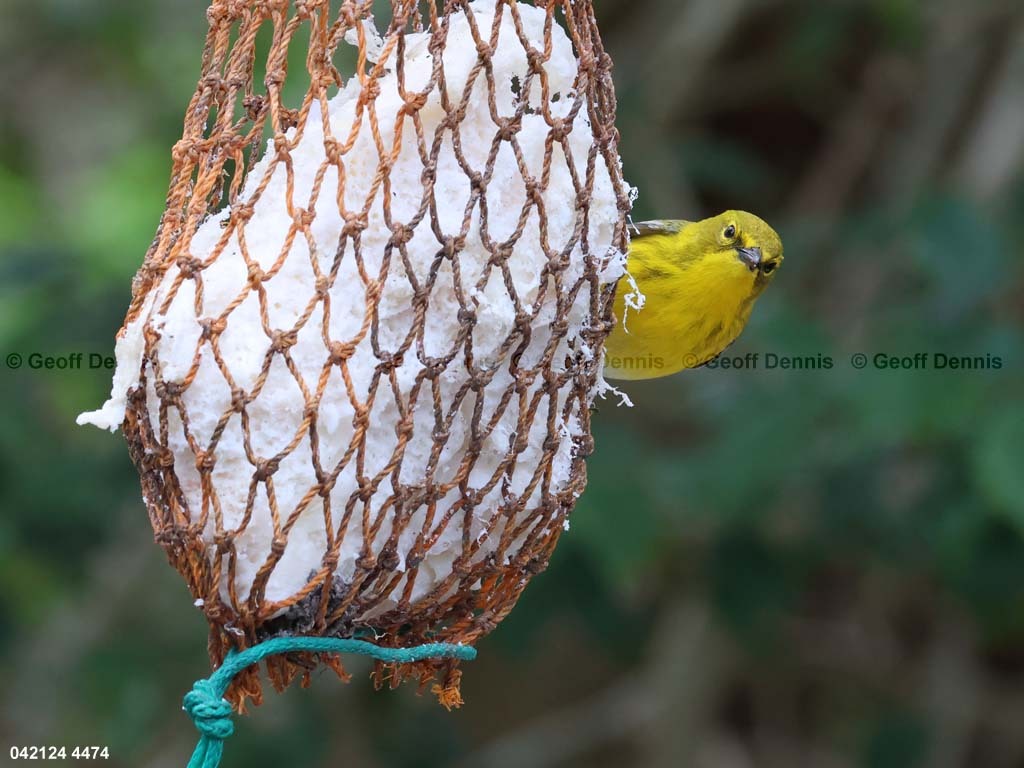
x,y
356,373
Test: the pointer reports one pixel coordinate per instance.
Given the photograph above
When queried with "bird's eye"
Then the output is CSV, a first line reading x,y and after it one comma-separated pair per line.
x,y
769,267
729,232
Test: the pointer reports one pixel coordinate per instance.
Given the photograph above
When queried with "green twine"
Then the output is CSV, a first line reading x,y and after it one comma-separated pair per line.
x,y
211,714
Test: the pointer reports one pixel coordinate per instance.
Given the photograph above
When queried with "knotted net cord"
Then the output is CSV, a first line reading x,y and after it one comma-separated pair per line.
x,y
226,124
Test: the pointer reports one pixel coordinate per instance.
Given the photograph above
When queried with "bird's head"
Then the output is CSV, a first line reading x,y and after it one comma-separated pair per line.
x,y
750,241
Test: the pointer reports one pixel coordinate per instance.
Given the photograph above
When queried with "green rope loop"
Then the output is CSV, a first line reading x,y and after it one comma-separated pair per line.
x,y
211,714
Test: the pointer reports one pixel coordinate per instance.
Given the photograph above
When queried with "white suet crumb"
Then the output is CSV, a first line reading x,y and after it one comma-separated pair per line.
x,y
632,299
374,42
128,350
275,416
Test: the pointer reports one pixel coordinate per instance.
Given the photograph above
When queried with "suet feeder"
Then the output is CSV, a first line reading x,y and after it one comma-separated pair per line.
x,y
357,369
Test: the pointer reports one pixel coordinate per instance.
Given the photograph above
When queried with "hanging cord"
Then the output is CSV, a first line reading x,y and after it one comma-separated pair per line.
x,y
211,714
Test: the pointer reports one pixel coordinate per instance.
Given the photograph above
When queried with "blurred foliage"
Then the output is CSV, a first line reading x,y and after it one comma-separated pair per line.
x,y
770,567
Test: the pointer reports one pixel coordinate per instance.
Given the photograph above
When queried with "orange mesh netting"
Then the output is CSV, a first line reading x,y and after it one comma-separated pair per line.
x,y
370,326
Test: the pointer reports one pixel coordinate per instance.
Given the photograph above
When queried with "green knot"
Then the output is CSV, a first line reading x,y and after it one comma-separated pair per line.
x,y
210,713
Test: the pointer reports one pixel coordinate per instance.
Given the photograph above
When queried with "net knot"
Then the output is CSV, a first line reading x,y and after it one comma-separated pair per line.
x,y
265,468
310,412
355,223
254,106
536,565
370,92
304,217
214,84
281,144
212,326
508,128
189,266
415,102
168,390
373,290
209,712
234,9
559,328
433,367
560,130
401,234
534,191
332,150
306,8
255,275
367,561
453,243
163,458
205,461
282,341
413,559
341,351
405,428
242,213
364,494
389,560
185,151
330,562
238,400
557,264
389,361
535,60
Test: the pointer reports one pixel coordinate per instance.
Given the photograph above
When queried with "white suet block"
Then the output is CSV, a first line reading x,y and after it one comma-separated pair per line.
x,y
276,414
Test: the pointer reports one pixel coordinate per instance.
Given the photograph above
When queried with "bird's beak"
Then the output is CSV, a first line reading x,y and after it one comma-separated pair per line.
x,y
750,256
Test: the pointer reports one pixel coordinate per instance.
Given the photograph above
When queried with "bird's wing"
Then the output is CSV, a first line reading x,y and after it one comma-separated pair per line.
x,y
656,227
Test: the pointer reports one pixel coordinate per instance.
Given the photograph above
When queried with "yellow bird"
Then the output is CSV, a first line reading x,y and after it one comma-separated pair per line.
x,y
699,281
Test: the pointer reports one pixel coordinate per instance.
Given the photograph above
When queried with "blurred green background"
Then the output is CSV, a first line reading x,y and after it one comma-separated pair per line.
x,y
769,568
